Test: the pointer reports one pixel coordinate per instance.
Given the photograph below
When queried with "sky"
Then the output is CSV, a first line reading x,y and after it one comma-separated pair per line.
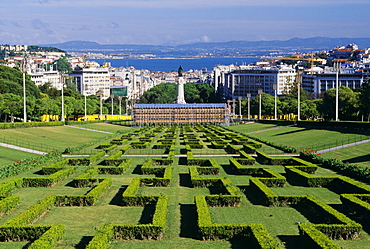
x,y
172,22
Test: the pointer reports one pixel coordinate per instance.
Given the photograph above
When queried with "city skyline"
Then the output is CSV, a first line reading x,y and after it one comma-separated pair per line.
x,y
159,22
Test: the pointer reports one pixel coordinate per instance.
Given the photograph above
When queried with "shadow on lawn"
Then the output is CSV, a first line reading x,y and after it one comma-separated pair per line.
x,y
358,217
117,199
358,159
185,181
189,225
84,242
137,170
292,241
290,132
147,214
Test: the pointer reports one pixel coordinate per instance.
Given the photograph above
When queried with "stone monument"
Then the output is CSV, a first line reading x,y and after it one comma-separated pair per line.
x,y
180,89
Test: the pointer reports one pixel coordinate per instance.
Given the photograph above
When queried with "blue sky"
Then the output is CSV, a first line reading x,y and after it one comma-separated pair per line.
x,y
179,22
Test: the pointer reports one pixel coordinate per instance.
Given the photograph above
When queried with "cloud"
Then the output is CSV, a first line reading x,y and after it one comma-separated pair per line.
x,y
38,24
113,25
45,1
205,38
84,28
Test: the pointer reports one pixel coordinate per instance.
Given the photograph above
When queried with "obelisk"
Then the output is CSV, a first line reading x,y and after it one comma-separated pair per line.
x,y
180,89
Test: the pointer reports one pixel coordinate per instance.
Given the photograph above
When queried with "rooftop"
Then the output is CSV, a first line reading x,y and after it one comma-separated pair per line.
x,y
153,106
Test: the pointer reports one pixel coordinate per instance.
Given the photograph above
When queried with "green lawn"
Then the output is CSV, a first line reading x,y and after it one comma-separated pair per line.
x,y
105,127
9,156
306,138
82,223
359,154
48,138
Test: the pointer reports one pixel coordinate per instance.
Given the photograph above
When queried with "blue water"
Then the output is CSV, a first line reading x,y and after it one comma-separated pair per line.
x,y
168,65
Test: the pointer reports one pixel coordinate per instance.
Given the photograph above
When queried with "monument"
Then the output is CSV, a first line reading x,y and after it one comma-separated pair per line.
x,y
180,89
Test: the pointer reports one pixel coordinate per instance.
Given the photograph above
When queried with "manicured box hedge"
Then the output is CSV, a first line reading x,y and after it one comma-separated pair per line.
x,y
211,231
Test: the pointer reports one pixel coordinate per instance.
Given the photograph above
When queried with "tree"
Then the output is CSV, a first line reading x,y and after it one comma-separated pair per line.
x,y
63,65
349,104
267,105
11,81
365,99
12,105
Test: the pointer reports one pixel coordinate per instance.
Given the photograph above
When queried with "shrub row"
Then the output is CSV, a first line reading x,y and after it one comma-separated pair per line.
x,y
211,231
33,212
339,185
48,181
86,161
8,203
10,185
26,164
29,124
88,199
313,238
348,169
54,167
49,238
298,177
119,169
246,158
359,203
344,228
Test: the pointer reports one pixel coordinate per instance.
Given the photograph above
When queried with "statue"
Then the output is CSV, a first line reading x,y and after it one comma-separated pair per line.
x,y
180,71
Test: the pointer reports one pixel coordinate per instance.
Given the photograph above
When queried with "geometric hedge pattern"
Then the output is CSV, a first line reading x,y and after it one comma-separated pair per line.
x,y
227,185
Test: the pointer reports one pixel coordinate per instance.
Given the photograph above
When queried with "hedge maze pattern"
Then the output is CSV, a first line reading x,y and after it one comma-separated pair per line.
x,y
95,174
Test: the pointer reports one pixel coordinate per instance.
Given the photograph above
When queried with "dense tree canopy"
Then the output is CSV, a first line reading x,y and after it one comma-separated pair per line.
x,y
166,93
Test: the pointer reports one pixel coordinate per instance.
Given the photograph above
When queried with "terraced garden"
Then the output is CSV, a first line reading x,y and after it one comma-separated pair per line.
x,y
182,188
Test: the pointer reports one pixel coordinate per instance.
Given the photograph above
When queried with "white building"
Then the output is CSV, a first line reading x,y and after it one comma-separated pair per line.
x,y
241,80
52,77
92,81
317,80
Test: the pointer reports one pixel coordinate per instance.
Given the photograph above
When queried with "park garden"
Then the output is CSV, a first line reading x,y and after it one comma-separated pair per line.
x,y
257,185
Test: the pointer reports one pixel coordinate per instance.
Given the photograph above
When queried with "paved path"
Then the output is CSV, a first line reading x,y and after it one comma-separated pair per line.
x,y
71,126
22,149
344,146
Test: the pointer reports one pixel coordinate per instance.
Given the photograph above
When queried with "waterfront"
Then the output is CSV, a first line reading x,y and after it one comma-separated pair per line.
x,y
169,64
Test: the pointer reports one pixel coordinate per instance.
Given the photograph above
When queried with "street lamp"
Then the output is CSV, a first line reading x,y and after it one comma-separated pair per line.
x,y
337,70
120,107
24,94
260,103
249,105
112,98
126,106
234,106
100,94
299,81
240,106
275,89
62,82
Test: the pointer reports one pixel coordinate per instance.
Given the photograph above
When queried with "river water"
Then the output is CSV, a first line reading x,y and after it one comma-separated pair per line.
x,y
169,64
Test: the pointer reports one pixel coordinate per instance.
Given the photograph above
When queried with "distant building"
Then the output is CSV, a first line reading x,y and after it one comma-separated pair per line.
x,y
241,80
92,81
52,77
318,80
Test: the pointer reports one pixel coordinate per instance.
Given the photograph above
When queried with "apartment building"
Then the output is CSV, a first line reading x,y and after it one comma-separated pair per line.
x,y
242,80
318,80
92,81
52,77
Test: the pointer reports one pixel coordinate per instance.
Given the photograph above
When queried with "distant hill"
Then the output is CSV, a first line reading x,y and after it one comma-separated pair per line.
x,y
295,44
